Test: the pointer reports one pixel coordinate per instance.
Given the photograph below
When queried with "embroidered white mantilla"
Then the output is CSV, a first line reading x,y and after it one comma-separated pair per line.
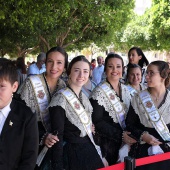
x,y
59,100
133,91
27,93
164,110
99,95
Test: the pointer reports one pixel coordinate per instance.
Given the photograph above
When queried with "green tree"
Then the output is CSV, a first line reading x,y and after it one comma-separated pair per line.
x,y
150,31
27,25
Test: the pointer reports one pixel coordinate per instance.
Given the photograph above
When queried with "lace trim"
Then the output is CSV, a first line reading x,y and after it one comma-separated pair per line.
x,y
164,110
102,100
59,100
27,93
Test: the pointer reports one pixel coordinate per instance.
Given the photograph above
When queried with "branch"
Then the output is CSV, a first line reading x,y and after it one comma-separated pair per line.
x,y
75,40
24,51
45,42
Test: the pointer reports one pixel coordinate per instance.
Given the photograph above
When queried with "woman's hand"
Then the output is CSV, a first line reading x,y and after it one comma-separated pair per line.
x,y
127,139
50,140
146,137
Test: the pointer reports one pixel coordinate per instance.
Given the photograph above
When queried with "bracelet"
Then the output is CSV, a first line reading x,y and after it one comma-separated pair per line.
x,y
43,138
141,141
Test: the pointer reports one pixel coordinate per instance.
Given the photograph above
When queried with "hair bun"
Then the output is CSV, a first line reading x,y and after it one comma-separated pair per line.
x,y
165,73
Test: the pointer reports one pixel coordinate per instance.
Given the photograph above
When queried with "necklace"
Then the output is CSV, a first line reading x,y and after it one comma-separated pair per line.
x,y
120,90
50,91
156,98
79,97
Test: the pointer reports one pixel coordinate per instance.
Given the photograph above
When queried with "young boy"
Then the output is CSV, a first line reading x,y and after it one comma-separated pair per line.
x,y
18,125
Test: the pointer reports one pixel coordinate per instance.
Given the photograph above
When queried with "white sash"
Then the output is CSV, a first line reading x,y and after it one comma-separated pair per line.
x,y
42,100
115,101
84,118
154,115
131,90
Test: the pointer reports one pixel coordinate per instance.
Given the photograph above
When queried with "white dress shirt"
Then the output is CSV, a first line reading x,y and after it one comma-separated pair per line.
x,y
3,115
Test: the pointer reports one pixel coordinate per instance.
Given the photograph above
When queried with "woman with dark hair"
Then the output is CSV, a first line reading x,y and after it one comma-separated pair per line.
x,y
136,56
70,112
110,101
134,77
37,92
148,117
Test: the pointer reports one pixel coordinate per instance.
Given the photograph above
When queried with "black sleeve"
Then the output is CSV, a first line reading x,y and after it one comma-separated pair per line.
x,y
57,115
30,144
133,123
109,130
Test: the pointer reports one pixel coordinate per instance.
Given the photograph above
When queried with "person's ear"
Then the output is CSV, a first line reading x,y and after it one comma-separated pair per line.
x,y
15,86
140,57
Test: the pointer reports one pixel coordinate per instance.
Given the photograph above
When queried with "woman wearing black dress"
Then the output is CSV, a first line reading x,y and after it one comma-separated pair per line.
x,y
148,118
70,112
110,101
37,92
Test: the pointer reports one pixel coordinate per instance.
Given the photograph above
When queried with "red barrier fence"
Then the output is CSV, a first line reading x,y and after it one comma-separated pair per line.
x,y
141,161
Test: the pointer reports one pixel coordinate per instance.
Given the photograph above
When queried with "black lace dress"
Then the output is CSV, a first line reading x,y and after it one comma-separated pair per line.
x,y
72,152
108,130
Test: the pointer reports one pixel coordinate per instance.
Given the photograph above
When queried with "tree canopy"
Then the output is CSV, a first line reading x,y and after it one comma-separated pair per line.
x,y
150,31
31,25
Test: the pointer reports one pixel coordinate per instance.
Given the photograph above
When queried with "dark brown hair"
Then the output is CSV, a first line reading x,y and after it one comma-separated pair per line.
x,y
164,70
143,61
132,66
8,71
113,55
60,50
75,60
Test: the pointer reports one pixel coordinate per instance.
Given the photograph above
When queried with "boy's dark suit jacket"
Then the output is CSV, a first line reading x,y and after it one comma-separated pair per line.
x,y
19,139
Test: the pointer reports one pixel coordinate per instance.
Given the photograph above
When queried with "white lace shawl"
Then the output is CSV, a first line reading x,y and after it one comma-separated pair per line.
x,y
27,93
164,110
142,85
59,100
99,95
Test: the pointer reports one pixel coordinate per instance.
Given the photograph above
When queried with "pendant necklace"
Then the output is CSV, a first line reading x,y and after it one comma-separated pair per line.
x,y
80,95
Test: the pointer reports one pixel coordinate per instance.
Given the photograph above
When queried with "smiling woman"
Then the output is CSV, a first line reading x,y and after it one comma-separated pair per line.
x,y
134,77
110,101
38,90
70,112
136,56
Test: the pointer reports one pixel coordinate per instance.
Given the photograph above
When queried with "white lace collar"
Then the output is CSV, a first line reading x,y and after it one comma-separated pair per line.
x,y
59,100
102,100
164,110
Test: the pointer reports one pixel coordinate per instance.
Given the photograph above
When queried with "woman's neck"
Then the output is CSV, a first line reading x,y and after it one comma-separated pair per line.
x,y
115,85
157,91
157,94
52,83
76,89
136,87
